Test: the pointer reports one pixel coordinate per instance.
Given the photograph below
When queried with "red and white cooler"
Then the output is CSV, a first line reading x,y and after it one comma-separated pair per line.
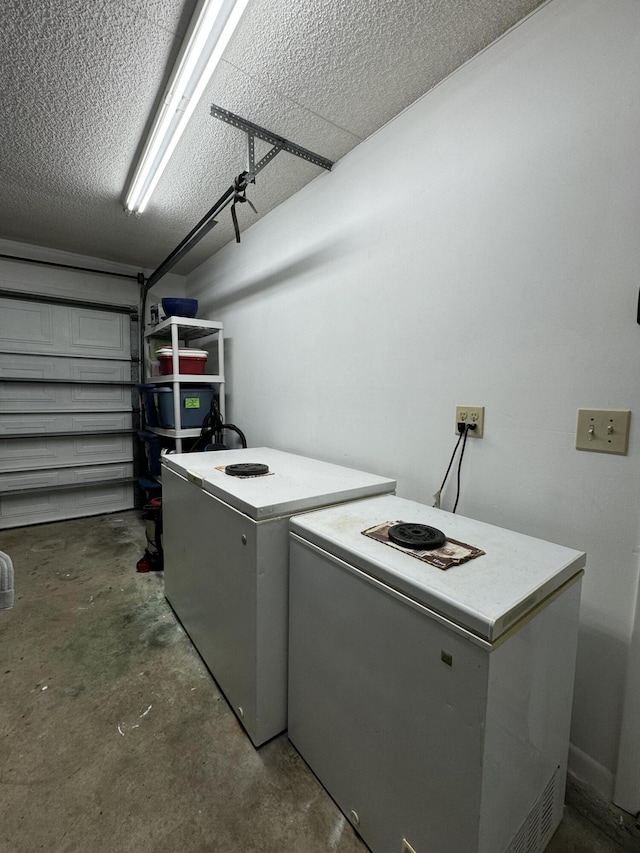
x,y
189,360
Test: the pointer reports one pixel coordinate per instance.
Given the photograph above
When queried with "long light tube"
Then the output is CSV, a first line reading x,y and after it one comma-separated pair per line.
x,y
212,27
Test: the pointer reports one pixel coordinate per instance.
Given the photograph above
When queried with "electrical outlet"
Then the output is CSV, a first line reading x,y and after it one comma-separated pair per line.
x,y
603,430
471,415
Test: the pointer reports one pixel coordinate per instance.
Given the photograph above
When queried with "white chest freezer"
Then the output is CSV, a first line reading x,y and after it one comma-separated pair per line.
x,y
226,561
433,705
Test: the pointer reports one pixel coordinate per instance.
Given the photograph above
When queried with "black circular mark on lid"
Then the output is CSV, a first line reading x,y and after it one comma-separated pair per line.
x,y
417,536
246,469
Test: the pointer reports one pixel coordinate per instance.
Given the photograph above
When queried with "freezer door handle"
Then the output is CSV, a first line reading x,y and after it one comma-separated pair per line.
x,y
195,479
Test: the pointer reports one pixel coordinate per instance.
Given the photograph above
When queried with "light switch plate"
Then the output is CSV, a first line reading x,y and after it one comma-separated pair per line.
x,y
603,430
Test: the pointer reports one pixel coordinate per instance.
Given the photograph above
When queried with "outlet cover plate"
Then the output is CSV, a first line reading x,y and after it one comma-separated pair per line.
x,y
471,415
603,430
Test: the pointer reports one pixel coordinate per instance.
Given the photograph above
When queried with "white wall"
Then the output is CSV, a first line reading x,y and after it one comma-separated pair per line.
x,y
482,248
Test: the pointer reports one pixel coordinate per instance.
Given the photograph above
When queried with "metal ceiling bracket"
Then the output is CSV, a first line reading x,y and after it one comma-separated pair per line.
x,y
252,167
279,142
235,193
268,157
251,153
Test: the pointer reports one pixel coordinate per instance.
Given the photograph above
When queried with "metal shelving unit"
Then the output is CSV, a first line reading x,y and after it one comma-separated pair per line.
x,y
185,330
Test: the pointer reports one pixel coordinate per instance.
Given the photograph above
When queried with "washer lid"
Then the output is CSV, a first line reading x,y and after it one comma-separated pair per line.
x,y
486,595
293,484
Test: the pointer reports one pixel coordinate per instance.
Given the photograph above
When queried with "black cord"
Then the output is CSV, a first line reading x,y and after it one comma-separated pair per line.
x,y
453,456
464,442
210,429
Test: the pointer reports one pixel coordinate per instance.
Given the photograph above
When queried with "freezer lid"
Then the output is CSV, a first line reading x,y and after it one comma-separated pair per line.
x,y
486,595
293,484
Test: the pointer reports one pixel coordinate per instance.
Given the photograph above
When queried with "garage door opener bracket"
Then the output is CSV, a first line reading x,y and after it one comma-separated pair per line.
x,y
237,192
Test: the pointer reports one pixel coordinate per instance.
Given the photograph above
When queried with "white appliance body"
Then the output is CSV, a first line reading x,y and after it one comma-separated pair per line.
x,y
434,706
226,561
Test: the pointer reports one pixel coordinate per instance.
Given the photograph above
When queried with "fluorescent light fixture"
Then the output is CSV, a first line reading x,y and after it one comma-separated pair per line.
x,y
211,28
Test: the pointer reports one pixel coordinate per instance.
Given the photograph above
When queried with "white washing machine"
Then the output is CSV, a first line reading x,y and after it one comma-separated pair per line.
x,y
433,703
226,558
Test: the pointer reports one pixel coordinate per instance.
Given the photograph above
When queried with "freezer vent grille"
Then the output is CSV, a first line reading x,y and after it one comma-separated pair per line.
x,y
534,833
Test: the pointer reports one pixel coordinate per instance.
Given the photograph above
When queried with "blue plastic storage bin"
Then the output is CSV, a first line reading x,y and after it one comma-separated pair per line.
x,y
195,402
152,449
151,488
148,403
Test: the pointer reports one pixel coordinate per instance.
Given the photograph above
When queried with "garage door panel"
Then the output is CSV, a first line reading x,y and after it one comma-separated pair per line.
x,y
27,509
31,424
17,455
36,507
10,424
121,420
16,398
103,498
36,453
95,448
32,366
109,493
97,331
99,371
63,329
22,510
32,479
64,476
26,367
22,322
112,396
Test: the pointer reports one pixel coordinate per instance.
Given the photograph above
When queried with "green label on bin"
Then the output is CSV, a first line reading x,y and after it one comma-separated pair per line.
x,y
192,402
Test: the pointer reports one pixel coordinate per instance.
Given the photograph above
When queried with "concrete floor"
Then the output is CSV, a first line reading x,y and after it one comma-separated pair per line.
x,y
113,736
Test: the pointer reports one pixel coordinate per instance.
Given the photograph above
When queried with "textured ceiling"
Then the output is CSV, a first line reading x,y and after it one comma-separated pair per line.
x,y
80,82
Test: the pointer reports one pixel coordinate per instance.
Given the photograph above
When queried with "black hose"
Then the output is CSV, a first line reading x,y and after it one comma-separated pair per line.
x,y
237,430
213,428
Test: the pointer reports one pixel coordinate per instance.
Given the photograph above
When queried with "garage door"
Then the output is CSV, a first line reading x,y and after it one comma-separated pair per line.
x,y
67,374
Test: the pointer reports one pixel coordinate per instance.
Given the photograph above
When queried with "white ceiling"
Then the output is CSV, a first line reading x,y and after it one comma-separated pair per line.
x,y
80,82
